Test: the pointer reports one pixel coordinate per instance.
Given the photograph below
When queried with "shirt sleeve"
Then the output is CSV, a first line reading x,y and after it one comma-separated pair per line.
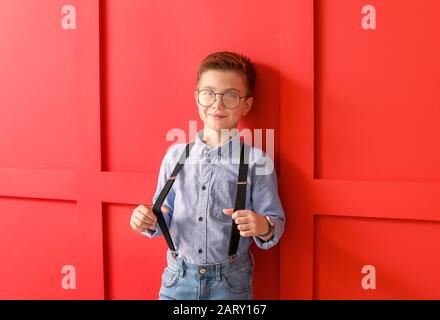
x,y
265,198
164,174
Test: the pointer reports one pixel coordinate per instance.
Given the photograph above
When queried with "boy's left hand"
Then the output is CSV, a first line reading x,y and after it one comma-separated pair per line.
x,y
248,222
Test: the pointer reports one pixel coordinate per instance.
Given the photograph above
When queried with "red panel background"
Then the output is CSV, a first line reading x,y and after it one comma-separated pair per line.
x,y
90,124
84,115
49,151
358,147
403,253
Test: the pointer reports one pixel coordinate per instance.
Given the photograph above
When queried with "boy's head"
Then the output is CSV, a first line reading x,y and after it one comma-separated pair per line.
x,y
233,76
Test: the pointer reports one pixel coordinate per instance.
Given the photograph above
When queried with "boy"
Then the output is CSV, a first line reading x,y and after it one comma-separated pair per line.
x,y
198,208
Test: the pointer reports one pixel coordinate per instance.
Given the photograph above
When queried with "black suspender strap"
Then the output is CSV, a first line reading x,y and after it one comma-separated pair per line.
x,y
240,199
163,194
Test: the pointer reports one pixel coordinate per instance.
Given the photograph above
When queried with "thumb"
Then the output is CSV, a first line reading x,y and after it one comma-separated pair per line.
x,y
228,211
165,209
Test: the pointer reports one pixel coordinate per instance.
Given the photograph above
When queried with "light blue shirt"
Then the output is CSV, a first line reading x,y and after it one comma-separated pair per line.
x,y
206,185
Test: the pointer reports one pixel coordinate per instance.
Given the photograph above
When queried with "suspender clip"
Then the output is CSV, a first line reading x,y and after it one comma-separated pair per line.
x,y
174,254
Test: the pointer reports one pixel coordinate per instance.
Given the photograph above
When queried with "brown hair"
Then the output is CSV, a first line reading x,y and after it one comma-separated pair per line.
x,y
226,60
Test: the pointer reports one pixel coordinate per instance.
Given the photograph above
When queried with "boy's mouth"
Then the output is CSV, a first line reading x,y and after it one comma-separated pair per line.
x,y
217,116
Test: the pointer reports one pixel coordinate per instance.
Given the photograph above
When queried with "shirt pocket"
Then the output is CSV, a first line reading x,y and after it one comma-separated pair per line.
x,y
227,190
239,281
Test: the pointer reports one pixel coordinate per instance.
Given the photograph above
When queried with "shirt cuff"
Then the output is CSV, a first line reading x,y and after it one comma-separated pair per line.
x,y
152,234
275,238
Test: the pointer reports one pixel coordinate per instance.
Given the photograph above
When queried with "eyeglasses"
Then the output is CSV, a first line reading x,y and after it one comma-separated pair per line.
x,y
208,97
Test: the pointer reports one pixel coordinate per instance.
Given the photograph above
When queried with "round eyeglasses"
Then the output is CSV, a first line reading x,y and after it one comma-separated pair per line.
x,y
230,99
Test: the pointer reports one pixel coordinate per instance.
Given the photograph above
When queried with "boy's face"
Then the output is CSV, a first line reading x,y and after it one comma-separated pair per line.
x,y
217,116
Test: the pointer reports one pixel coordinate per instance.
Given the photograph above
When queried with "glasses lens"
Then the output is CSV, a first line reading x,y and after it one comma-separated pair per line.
x,y
231,99
206,98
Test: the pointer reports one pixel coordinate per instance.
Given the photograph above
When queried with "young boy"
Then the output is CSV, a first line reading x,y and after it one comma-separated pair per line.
x,y
199,208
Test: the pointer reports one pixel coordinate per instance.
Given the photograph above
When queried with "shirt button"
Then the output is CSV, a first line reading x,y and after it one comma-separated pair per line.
x,y
202,270
203,187
200,251
200,218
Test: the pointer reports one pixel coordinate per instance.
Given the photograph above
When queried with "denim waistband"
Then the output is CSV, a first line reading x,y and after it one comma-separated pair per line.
x,y
241,261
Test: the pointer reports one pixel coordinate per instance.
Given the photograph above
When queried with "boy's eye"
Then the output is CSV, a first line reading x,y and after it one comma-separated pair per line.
x,y
206,93
231,95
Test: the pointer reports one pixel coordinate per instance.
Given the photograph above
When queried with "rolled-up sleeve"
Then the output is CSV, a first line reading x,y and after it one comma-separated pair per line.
x,y
265,198
164,173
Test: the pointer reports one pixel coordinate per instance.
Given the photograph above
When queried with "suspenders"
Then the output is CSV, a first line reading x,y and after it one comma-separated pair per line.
x,y
240,198
163,194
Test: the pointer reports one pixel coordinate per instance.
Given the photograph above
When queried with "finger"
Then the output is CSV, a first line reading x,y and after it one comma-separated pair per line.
x,y
165,209
247,233
149,208
242,220
141,224
244,227
144,208
150,214
228,211
148,218
147,213
240,213
148,225
135,227
152,227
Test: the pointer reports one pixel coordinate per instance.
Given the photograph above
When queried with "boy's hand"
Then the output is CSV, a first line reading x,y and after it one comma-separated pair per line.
x,y
248,222
143,218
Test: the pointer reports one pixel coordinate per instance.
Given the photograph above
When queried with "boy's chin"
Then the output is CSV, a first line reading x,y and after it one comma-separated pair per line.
x,y
219,127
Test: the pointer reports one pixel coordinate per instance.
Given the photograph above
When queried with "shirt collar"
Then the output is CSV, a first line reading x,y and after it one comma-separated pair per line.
x,y
228,148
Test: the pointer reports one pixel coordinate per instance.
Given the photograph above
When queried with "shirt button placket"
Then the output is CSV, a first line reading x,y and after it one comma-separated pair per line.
x,y
202,205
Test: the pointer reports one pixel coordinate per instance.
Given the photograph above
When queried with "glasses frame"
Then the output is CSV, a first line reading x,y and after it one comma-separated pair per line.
x,y
222,94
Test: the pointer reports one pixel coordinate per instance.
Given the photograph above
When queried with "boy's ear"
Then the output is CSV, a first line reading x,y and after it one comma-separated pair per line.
x,y
248,105
195,95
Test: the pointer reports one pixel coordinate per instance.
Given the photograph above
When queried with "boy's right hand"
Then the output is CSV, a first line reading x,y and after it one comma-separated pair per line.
x,y
143,218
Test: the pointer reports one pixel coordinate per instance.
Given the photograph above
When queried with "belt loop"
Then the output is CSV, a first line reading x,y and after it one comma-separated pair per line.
x,y
179,262
181,268
218,271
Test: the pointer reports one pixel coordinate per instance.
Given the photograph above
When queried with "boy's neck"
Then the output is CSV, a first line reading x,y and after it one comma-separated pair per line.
x,y
214,138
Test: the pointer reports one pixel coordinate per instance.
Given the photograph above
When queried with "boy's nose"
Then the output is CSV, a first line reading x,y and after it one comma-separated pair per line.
x,y
218,104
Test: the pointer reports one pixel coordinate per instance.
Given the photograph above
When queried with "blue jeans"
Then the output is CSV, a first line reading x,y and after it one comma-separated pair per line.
x,y
221,281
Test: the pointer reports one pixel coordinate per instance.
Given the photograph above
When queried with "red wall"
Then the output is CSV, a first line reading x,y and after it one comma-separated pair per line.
x,y
84,115
359,162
